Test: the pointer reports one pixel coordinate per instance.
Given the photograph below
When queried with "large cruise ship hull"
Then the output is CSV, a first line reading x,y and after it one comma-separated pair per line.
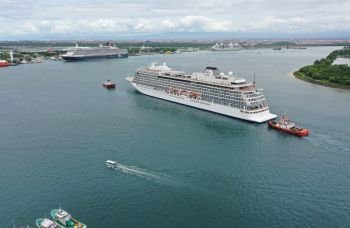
x,y
92,57
208,106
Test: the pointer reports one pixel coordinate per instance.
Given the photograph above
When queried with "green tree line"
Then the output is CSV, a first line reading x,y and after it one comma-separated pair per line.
x,y
327,73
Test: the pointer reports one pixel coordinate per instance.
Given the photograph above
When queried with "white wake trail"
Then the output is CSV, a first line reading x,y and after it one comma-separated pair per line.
x,y
159,178
137,171
149,175
327,142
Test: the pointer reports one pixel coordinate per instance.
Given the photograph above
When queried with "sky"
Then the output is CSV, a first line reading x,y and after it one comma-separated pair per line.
x,y
87,18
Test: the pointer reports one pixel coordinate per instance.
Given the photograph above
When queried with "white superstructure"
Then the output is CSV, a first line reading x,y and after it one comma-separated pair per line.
x,y
111,164
84,53
210,90
46,223
226,47
63,216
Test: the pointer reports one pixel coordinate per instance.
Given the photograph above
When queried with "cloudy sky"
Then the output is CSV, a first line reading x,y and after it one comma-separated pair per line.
x,y
24,18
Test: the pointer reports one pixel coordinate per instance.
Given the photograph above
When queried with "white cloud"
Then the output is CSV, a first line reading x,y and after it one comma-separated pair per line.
x,y
140,16
277,24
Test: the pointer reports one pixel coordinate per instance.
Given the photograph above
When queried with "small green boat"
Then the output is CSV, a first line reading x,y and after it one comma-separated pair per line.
x,y
45,223
65,220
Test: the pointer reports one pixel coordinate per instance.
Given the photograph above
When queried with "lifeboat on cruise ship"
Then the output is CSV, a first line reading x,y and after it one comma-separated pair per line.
x,y
194,95
285,125
184,92
175,91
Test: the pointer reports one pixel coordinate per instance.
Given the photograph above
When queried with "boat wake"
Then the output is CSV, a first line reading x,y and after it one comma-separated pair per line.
x,y
160,178
149,175
328,143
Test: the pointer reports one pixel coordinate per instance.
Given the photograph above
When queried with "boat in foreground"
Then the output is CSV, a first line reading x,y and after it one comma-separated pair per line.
x,y
285,125
210,90
108,84
111,164
45,223
64,219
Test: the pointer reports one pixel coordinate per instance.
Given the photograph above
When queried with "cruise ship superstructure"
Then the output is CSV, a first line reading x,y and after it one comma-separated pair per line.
x,y
226,47
84,53
210,90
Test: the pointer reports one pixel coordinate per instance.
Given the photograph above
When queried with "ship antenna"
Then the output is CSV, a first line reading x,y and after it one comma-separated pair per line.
x,y
254,79
284,116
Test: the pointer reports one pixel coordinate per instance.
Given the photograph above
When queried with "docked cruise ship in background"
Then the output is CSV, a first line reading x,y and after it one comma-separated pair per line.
x,y
226,47
85,53
210,90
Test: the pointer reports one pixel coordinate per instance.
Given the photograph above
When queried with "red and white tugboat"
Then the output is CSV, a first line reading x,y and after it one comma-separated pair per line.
x,y
108,84
285,125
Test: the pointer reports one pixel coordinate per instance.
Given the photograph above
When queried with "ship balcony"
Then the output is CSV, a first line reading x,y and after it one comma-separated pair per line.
x,y
253,94
254,110
254,101
254,98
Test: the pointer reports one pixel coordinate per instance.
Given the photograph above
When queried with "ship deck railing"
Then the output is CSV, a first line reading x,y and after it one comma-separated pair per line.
x,y
255,110
227,85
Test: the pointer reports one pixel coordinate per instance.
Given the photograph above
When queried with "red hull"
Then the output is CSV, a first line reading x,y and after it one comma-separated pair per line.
x,y
4,64
298,132
109,86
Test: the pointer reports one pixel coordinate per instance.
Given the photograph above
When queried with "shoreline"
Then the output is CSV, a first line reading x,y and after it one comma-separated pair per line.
x,y
326,84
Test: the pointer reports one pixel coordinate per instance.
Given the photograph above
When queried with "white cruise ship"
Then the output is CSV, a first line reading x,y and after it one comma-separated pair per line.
x,y
210,90
226,47
87,53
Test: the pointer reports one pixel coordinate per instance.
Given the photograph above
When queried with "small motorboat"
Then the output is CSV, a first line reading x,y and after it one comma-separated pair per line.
x,y
111,164
285,125
108,84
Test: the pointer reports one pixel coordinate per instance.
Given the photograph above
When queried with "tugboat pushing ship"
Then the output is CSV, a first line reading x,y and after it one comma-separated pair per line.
x,y
285,125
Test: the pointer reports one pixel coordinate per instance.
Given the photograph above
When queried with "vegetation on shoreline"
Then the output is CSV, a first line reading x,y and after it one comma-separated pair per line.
x,y
323,71
30,55
27,50
276,44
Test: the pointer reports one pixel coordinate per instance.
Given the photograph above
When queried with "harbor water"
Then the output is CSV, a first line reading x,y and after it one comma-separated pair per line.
x,y
181,167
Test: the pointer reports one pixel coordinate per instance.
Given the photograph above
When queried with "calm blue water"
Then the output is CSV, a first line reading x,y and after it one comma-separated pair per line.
x,y
182,167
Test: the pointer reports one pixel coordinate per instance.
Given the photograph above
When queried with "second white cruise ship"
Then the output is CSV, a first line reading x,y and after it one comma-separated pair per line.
x,y
210,90
87,53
